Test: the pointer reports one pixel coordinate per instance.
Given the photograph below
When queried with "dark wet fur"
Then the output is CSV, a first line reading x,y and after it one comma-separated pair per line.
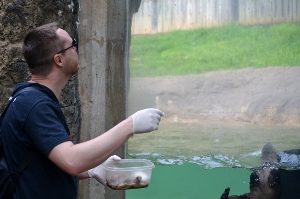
x,y
225,195
264,180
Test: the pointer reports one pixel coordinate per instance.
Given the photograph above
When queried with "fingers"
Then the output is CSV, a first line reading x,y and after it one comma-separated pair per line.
x,y
157,117
111,159
156,111
160,113
101,180
146,120
115,158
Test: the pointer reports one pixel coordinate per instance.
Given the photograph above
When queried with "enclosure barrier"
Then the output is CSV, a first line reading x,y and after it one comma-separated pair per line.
x,y
156,16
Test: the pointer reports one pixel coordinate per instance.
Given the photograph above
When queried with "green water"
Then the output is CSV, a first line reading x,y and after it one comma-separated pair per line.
x,y
197,161
190,181
211,145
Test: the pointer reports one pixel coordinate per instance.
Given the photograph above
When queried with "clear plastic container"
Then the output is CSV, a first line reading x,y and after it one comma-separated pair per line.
x,y
128,173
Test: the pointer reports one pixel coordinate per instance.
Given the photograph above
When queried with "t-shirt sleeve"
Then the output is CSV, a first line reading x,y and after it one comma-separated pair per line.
x,y
45,128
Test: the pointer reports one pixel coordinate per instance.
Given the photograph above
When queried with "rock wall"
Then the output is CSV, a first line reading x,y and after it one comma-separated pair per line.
x,y
264,96
17,17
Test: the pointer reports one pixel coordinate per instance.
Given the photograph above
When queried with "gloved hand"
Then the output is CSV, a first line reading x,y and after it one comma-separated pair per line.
x,y
146,120
99,173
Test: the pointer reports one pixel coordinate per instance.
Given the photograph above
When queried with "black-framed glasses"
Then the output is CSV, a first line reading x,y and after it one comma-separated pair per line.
x,y
74,44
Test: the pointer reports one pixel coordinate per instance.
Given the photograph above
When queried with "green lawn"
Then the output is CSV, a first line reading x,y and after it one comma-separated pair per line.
x,y
229,47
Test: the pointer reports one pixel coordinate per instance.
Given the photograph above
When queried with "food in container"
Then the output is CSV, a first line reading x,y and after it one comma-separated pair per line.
x,y
128,173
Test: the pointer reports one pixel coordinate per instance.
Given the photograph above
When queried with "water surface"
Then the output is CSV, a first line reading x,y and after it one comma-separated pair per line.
x,y
195,160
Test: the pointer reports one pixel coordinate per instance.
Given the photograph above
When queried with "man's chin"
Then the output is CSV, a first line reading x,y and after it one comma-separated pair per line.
x,y
75,72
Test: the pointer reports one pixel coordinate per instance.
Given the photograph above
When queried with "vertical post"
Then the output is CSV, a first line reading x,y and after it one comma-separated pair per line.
x,y
103,36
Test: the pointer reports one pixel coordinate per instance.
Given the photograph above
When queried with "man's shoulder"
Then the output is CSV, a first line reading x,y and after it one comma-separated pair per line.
x,y
33,92
25,100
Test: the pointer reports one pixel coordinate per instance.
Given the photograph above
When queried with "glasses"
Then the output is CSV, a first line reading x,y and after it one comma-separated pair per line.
x,y
74,44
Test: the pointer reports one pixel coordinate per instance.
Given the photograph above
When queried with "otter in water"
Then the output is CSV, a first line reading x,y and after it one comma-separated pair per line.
x,y
264,184
264,180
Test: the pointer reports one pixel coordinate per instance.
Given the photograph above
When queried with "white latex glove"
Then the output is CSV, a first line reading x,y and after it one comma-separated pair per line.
x,y
99,173
146,120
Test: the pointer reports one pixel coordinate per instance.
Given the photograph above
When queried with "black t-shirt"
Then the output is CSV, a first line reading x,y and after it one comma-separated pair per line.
x,y
33,125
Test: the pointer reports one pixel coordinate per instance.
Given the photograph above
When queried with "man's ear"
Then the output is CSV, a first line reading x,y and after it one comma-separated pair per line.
x,y
58,60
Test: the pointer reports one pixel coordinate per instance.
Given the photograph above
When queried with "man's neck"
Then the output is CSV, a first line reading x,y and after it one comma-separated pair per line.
x,y
54,84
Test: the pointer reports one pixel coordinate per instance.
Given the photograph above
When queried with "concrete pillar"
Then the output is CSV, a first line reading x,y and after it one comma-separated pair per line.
x,y
103,53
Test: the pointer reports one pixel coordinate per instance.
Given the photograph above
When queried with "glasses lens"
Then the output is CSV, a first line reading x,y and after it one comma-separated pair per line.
x,y
74,43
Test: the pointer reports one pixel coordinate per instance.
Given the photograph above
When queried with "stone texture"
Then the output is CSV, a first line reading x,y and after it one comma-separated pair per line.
x,y
263,96
17,17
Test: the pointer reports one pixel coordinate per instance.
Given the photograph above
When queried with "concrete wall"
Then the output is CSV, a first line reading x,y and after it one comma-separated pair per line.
x,y
17,17
157,16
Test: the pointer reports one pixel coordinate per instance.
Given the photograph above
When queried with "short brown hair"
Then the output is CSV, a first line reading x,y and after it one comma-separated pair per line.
x,y
39,47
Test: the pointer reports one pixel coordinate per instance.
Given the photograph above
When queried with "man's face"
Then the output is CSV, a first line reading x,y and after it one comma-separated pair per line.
x,y
70,55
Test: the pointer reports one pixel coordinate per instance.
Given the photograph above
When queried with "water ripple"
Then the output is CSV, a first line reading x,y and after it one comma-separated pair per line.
x,y
208,161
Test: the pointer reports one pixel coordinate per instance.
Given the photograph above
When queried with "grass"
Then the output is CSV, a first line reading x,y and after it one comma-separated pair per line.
x,y
229,47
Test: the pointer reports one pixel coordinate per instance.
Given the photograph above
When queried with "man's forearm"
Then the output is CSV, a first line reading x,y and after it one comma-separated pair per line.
x,y
75,159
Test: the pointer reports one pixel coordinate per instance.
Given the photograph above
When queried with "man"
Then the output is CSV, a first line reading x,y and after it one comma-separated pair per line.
x,y
34,127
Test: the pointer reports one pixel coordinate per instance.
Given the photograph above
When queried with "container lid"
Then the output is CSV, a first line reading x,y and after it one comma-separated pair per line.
x,y
129,164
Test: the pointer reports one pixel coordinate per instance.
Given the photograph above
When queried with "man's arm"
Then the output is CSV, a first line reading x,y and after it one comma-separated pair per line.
x,y
77,158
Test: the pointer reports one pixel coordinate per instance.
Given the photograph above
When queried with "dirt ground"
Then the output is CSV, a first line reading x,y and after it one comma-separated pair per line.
x,y
267,96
